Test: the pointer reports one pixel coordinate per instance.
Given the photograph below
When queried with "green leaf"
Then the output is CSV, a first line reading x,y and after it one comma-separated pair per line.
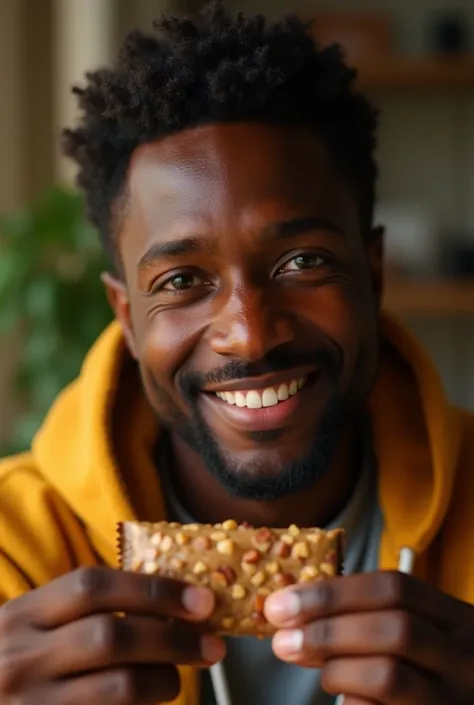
x,y
40,299
38,348
26,428
56,215
10,318
47,386
50,265
86,239
16,226
14,267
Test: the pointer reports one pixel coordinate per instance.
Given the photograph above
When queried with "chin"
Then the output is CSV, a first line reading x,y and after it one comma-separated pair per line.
x,y
262,482
266,474
270,464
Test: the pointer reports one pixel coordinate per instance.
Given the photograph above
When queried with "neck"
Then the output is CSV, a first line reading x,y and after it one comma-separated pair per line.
x,y
207,501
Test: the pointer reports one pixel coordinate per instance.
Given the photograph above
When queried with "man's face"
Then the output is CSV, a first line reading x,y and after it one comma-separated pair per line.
x,y
249,301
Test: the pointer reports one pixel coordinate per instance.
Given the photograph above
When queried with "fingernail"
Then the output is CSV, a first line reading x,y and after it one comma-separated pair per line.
x,y
282,606
212,649
288,642
198,601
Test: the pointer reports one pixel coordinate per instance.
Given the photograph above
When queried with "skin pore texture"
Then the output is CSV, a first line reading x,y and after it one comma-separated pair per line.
x,y
247,280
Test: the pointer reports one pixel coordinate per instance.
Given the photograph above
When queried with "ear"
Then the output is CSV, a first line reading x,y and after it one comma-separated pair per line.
x,y
118,299
374,248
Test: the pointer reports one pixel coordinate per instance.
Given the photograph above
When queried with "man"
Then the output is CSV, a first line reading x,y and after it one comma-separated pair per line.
x,y
229,167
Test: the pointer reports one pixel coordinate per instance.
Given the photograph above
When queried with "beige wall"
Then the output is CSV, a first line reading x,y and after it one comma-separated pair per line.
x,y
26,111
12,155
11,113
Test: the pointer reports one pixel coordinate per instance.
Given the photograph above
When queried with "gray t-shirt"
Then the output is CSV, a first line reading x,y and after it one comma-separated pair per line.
x,y
255,676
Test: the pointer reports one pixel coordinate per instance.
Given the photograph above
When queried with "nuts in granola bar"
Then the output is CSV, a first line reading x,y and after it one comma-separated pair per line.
x,y
300,550
229,525
202,543
252,556
282,580
200,568
238,592
248,568
281,549
272,567
225,547
182,539
258,579
166,544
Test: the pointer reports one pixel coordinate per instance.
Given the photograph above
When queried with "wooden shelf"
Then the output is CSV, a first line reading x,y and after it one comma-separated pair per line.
x,y
398,72
430,298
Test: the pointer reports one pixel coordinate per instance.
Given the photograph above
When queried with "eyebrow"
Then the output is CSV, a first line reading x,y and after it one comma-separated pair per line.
x,y
297,226
274,231
174,248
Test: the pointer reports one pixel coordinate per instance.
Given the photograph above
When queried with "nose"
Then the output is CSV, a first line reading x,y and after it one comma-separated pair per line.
x,y
248,326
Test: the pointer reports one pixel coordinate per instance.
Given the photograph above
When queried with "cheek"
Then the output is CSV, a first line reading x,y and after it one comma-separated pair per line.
x,y
346,315
167,341
359,339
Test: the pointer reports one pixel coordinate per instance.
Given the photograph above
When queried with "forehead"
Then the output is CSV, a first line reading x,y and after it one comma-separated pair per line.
x,y
233,175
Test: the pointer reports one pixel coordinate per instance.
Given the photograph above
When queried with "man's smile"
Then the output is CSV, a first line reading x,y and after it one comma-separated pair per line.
x,y
259,404
270,396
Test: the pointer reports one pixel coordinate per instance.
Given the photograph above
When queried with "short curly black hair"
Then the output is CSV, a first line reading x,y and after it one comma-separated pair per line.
x,y
218,68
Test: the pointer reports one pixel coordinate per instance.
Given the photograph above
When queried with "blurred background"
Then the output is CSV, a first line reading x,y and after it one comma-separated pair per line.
x,y
415,60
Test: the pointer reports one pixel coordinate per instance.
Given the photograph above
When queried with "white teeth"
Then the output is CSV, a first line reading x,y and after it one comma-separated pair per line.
x,y
256,399
269,397
240,399
283,392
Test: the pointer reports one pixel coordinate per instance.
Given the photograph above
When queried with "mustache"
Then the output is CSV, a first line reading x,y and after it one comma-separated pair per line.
x,y
328,361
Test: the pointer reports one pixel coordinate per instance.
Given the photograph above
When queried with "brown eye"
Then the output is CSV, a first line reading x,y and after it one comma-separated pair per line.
x,y
181,282
302,262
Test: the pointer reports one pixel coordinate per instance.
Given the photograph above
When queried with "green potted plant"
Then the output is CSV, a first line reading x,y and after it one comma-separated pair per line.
x,y
52,296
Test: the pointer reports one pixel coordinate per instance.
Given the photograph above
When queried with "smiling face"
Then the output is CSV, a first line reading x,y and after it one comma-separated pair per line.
x,y
249,300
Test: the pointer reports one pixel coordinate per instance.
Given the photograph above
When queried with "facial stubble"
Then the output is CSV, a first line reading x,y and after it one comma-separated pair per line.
x,y
256,479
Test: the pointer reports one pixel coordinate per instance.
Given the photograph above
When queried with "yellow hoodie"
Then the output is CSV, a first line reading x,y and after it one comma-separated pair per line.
x,y
91,465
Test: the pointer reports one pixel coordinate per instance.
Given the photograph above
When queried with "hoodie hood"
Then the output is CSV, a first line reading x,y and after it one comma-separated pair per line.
x,y
96,446
417,443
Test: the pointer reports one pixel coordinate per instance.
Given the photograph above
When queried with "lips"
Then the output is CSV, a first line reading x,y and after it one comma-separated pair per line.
x,y
264,407
262,398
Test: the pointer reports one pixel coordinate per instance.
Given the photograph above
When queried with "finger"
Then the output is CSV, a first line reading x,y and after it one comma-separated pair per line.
x,y
365,592
392,633
145,685
99,589
383,680
105,641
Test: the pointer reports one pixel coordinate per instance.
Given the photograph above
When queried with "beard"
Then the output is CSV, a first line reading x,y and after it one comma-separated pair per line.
x,y
257,479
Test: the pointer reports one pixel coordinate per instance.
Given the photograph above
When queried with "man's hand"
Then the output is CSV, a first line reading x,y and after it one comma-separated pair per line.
x,y
381,638
69,643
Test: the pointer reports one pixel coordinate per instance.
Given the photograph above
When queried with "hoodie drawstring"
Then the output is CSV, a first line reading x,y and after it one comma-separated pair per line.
x,y
220,685
406,561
